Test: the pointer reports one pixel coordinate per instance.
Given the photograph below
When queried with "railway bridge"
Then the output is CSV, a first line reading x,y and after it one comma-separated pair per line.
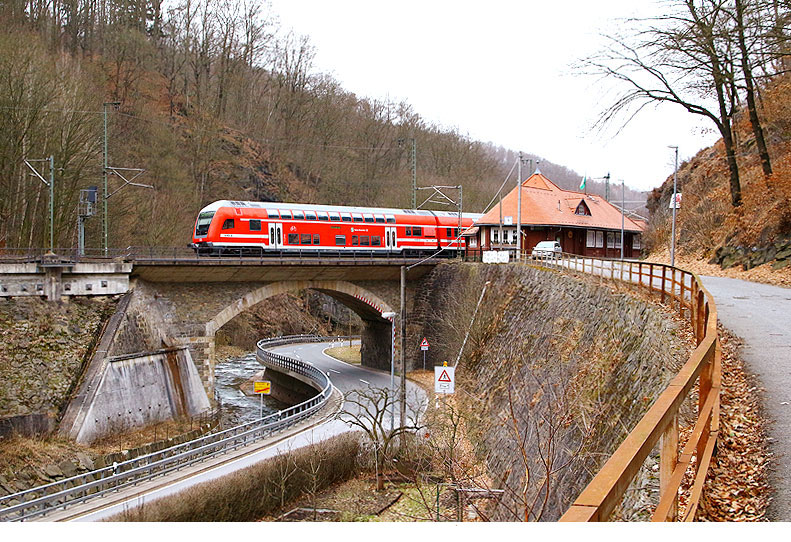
x,y
175,298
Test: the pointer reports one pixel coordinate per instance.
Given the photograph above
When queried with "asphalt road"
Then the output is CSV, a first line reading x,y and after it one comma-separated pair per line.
x,y
761,315
345,378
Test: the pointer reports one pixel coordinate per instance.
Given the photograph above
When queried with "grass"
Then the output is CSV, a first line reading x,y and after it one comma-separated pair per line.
x,y
349,354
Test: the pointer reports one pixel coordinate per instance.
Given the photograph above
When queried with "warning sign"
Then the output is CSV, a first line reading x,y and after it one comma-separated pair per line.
x,y
444,379
424,344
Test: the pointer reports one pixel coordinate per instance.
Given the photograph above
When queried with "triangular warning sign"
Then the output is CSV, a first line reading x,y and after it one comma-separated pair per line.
x,y
444,377
424,343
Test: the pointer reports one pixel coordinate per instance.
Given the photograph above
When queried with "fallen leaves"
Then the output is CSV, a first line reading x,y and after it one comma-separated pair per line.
x,y
737,486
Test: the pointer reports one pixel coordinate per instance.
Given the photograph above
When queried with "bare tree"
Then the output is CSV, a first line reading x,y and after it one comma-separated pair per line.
x,y
372,410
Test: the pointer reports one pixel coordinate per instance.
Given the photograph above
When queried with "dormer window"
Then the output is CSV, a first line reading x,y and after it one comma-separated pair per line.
x,y
582,209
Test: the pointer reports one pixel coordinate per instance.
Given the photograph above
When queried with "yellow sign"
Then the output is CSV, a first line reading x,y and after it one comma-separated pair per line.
x,y
264,387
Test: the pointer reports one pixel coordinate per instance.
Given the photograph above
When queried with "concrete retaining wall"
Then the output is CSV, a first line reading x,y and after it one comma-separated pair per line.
x,y
137,390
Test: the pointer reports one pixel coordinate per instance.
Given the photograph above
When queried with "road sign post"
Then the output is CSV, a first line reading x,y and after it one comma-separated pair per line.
x,y
424,348
262,388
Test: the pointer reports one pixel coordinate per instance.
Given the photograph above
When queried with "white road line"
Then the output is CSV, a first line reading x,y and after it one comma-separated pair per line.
x,y
334,371
364,381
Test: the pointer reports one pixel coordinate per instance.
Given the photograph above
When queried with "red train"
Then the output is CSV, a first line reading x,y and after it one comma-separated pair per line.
x,y
258,227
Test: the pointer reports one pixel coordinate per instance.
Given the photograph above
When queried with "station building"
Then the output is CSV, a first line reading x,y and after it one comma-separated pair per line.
x,y
583,224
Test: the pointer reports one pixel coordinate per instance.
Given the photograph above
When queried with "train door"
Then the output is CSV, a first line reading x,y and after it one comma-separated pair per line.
x,y
275,235
390,239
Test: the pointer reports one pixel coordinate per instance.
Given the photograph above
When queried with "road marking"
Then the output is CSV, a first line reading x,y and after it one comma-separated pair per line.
x,y
334,371
364,381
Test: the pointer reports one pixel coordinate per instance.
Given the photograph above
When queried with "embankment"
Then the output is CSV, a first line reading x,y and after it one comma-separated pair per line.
x,y
556,372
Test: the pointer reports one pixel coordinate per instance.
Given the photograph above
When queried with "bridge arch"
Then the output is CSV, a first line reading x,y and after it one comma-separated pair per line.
x,y
379,335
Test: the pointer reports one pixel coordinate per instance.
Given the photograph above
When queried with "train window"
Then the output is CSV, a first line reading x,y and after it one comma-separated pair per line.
x,y
255,225
340,240
285,214
365,240
355,240
310,215
368,218
346,217
293,238
299,215
417,231
458,232
304,239
357,218
323,216
449,232
316,239
228,224
380,219
409,230
335,217
272,213
376,241
390,219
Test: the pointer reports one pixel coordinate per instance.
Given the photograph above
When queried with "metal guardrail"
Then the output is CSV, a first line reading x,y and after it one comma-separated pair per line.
x,y
43,499
185,255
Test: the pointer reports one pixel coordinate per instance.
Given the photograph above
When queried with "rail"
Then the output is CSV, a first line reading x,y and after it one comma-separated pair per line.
x,y
188,256
684,292
43,499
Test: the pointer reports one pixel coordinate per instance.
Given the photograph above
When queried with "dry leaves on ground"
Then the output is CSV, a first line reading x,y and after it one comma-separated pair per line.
x,y
737,486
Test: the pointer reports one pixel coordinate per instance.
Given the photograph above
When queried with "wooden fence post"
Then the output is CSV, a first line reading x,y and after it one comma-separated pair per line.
x,y
668,457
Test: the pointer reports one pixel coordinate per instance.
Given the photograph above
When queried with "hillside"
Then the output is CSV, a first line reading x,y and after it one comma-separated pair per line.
x,y
757,233
213,104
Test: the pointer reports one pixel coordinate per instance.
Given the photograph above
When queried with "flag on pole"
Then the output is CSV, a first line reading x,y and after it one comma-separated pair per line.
x,y
584,180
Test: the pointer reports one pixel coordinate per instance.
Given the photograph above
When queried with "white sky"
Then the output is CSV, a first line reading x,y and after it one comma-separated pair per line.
x,y
498,71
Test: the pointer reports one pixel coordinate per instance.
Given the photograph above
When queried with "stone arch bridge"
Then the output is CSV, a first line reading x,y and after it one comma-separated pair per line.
x,y
175,304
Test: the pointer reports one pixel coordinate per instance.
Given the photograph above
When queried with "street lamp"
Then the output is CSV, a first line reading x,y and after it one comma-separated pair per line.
x,y
673,203
391,316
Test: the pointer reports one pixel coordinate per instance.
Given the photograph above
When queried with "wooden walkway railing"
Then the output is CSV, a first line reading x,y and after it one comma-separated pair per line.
x,y
683,291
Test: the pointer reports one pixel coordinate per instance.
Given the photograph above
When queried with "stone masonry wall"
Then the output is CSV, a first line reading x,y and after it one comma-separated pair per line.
x,y
578,361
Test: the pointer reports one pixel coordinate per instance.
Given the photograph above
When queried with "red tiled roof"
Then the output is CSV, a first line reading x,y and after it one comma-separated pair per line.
x,y
545,204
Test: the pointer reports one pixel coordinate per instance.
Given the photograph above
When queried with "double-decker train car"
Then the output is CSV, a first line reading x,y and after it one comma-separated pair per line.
x,y
261,227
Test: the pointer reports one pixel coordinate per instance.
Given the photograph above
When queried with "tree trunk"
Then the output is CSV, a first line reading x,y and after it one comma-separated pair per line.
x,y
748,83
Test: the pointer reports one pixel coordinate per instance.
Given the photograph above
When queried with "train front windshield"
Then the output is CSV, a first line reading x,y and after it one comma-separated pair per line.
x,y
204,219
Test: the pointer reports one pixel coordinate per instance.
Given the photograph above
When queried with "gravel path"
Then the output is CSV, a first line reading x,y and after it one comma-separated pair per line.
x,y
761,315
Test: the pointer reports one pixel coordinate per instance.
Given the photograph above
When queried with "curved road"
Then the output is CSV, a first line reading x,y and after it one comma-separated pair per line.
x,y
345,377
761,315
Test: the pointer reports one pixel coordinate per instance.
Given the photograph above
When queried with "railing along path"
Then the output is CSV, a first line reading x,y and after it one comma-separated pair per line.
x,y
41,500
683,291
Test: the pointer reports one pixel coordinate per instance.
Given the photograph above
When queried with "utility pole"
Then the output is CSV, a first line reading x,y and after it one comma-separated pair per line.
x,y
623,205
104,177
607,187
51,185
673,203
519,210
402,421
414,173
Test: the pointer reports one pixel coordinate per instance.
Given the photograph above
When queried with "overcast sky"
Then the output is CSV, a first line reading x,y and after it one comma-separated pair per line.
x,y
499,71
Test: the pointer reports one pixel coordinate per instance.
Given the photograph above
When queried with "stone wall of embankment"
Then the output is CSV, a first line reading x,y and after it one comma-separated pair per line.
x,y
43,347
556,372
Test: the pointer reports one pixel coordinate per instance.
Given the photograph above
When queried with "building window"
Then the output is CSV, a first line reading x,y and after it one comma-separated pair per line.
x,y
293,238
104,284
636,242
340,240
613,239
89,287
599,239
228,224
304,239
591,241
255,225
66,287
582,209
